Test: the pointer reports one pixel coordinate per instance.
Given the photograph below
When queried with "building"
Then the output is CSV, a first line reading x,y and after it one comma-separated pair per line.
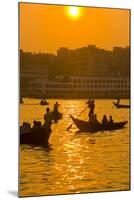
x,y
82,87
80,73
94,61
31,73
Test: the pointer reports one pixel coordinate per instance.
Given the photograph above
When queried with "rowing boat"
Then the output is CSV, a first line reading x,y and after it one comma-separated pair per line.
x,y
120,105
36,135
85,126
44,103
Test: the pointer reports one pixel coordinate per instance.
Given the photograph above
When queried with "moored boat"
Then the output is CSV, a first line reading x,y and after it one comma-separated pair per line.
x,y
120,105
85,126
36,135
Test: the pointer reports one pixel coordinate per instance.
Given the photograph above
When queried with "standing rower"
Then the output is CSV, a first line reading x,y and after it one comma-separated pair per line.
x,y
48,117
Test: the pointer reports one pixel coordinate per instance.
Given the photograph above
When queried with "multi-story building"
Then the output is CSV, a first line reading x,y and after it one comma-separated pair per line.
x,y
94,61
30,74
79,73
82,87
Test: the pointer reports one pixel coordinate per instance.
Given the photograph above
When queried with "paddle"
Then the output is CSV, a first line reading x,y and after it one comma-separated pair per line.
x,y
78,116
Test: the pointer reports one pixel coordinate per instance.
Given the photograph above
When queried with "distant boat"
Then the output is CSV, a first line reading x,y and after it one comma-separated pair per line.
x,y
44,103
85,126
37,136
121,105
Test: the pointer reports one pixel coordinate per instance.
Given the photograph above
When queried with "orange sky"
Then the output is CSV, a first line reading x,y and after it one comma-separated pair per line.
x,y
45,28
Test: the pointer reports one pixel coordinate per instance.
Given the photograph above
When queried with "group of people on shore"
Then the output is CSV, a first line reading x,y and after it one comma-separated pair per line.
x,y
93,117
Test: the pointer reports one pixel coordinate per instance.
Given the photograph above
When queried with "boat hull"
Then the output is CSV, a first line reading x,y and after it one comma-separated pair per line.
x,y
120,105
57,116
37,136
85,126
44,104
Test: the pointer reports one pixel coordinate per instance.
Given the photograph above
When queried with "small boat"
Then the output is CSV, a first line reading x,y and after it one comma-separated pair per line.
x,y
120,105
57,116
85,126
44,103
36,135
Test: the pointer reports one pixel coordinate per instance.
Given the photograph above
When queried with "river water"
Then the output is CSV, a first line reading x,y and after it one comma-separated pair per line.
x,y
74,162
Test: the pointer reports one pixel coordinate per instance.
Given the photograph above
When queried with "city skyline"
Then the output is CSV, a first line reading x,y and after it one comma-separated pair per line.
x,y
40,27
73,49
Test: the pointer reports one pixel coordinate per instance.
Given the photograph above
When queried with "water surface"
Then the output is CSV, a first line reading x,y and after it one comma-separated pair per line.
x,y
75,163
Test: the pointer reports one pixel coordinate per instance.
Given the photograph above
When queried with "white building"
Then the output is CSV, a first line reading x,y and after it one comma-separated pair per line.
x,y
82,87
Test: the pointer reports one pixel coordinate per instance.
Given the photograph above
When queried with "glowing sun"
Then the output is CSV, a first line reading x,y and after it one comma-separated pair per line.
x,y
74,12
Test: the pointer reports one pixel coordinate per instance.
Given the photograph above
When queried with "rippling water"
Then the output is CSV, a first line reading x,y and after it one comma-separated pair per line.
x,y
75,163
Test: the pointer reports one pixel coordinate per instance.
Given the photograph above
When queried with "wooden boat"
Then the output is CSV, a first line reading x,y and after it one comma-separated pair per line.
x,y
120,105
85,126
44,103
57,116
37,136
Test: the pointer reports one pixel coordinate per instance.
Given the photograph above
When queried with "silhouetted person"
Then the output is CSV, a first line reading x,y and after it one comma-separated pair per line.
x,y
48,117
41,102
91,105
56,105
26,127
111,122
104,121
95,120
91,117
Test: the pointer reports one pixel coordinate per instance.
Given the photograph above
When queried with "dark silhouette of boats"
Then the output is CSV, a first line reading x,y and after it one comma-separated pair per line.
x,y
120,105
44,103
36,136
57,116
85,126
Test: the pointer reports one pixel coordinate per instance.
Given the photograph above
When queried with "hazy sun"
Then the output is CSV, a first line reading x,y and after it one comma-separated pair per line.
x,y
74,12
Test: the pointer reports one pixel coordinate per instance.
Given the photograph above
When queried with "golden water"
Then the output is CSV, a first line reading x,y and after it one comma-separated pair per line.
x,y
75,163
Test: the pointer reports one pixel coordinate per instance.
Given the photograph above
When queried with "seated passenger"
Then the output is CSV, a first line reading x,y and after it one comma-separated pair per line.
x,y
34,124
111,122
95,120
104,121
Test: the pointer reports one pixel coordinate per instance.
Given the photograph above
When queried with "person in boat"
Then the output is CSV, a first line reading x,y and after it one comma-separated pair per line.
x,y
26,127
111,122
41,102
48,117
105,121
55,110
91,116
91,105
95,120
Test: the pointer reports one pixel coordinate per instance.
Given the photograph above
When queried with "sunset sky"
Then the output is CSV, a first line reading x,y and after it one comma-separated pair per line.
x,y
45,28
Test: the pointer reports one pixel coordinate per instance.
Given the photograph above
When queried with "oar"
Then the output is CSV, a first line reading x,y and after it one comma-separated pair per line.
x,y
78,116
